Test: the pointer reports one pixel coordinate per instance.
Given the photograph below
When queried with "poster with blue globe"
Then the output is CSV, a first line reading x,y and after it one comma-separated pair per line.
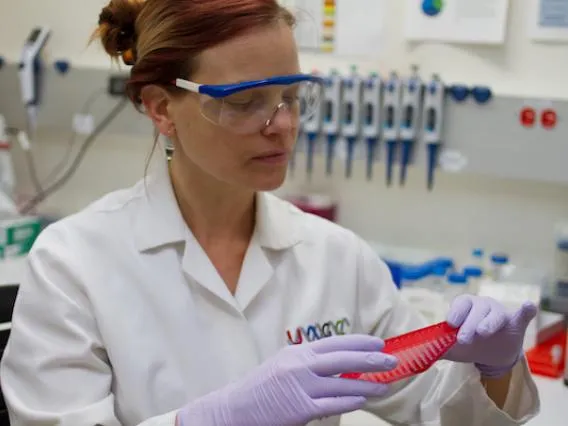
x,y
457,21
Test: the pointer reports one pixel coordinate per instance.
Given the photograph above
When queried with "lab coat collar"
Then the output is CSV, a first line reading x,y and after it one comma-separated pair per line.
x,y
278,227
159,221
278,224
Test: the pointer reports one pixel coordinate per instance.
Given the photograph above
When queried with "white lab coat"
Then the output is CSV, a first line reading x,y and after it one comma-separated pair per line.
x,y
122,319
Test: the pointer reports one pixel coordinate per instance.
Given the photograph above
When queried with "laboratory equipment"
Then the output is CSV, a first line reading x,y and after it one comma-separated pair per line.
x,y
566,364
438,277
312,128
548,357
477,256
561,256
474,274
456,284
30,73
8,207
372,114
333,88
411,101
416,351
498,263
391,120
317,204
352,101
432,121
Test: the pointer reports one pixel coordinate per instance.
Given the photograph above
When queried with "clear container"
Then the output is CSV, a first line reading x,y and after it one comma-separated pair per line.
x,y
438,278
456,285
561,256
474,275
499,262
478,258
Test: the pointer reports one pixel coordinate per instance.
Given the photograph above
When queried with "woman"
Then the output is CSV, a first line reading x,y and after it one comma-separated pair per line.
x,y
190,298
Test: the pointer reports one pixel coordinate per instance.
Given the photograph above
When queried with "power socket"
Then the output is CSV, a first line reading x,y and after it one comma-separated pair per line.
x,y
117,85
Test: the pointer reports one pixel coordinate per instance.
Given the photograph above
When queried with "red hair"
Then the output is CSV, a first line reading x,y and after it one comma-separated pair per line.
x,y
162,38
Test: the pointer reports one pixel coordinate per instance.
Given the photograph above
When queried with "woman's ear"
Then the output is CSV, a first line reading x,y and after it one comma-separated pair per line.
x,y
156,100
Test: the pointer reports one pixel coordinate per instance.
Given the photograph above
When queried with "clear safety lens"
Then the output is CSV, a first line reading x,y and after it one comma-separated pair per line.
x,y
249,111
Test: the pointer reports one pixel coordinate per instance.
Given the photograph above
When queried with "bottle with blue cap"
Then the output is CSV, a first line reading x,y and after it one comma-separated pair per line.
x,y
478,258
457,284
498,263
439,277
474,274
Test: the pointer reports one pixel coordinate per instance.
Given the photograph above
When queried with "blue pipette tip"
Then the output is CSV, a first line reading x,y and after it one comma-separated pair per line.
x,y
330,154
406,154
433,150
391,150
371,148
351,142
312,137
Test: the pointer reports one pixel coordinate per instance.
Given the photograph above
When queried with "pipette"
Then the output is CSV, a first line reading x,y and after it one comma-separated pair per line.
x,y
434,98
312,129
30,73
411,97
391,123
372,92
352,98
331,116
301,132
416,351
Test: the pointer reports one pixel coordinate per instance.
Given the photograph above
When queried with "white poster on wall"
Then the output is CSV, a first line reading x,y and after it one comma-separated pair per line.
x,y
457,21
340,27
549,20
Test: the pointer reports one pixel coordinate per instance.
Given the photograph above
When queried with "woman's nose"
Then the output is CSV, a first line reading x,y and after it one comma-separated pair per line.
x,y
281,120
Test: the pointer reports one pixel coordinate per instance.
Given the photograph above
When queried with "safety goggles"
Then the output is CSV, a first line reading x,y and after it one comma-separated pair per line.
x,y
249,107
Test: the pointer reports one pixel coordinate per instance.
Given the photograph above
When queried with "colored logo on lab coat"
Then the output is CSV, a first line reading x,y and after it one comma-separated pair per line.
x,y
432,7
318,331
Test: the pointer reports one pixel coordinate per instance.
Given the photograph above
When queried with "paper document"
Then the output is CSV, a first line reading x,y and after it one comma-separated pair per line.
x,y
457,21
549,20
340,27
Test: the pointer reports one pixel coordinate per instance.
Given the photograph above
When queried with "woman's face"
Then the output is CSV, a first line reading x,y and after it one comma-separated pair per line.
x,y
256,160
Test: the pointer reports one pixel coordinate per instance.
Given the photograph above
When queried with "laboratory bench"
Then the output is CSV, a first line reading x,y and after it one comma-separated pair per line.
x,y
553,409
553,393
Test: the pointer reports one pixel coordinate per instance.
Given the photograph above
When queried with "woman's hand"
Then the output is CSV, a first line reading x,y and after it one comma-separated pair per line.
x,y
489,337
296,386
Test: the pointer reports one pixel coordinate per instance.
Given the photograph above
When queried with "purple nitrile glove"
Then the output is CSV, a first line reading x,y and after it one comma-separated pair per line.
x,y
296,386
489,337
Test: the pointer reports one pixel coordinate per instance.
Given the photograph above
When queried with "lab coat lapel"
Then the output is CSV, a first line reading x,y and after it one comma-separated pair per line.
x,y
276,231
199,267
255,274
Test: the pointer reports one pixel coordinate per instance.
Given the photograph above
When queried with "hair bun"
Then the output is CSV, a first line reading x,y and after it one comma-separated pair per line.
x,y
117,28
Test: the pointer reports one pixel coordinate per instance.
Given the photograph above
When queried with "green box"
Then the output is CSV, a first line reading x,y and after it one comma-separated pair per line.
x,y
17,236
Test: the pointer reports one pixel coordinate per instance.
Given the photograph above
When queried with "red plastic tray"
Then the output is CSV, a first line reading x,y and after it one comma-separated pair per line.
x,y
416,351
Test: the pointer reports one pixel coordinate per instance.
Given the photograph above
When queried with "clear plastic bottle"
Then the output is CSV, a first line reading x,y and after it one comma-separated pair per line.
x,y
438,278
456,284
477,255
474,275
499,261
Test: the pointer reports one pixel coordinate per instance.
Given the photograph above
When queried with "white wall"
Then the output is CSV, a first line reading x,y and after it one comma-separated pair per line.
x,y
463,210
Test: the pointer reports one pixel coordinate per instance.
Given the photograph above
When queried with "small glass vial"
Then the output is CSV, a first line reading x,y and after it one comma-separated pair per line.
x,y
498,263
475,274
439,278
457,284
